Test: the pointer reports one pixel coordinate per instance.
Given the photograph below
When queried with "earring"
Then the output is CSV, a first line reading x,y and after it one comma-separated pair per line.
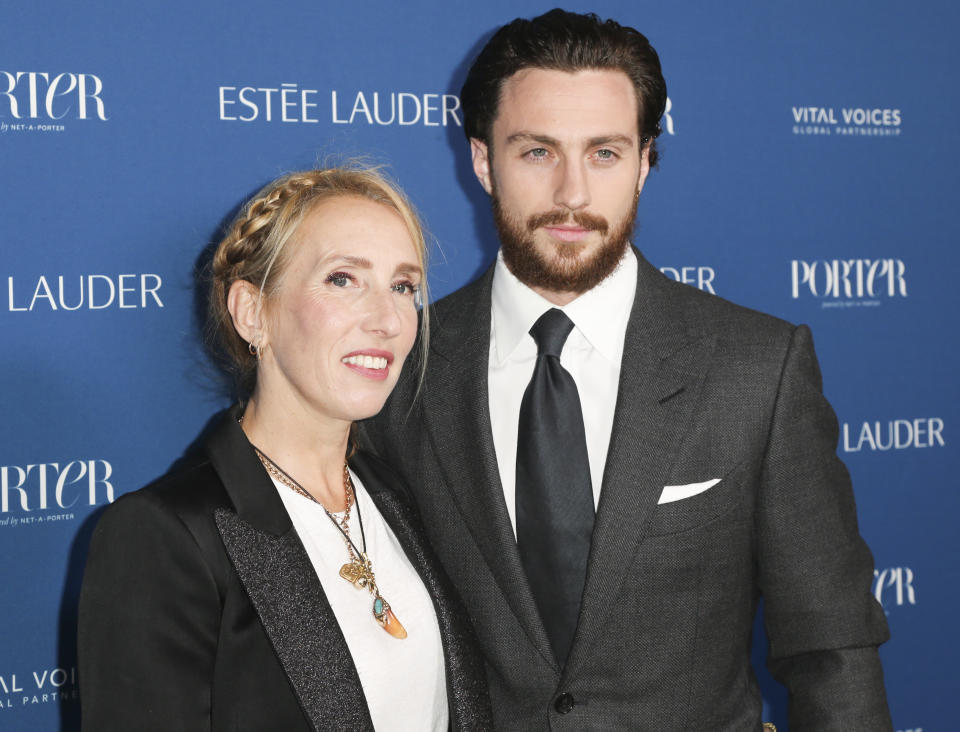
x,y
254,351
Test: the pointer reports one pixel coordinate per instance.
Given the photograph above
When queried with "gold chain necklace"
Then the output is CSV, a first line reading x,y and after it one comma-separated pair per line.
x,y
359,570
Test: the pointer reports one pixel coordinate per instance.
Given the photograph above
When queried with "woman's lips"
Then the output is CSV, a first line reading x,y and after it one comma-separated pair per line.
x,y
372,363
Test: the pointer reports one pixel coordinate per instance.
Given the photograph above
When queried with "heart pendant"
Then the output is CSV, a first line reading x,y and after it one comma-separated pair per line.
x,y
355,573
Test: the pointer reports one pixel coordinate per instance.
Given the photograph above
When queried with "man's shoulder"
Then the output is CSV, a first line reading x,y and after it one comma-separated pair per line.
x,y
475,293
730,319
716,316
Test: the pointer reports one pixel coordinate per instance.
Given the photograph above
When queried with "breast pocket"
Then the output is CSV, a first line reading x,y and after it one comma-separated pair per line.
x,y
700,509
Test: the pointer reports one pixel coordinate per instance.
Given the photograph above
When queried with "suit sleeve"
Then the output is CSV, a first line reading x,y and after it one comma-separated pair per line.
x,y
148,623
815,570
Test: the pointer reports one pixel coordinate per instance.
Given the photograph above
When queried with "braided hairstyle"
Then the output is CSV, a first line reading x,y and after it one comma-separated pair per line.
x,y
255,249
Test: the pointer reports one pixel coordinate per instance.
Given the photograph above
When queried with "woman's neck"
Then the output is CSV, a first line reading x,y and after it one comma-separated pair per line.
x,y
309,448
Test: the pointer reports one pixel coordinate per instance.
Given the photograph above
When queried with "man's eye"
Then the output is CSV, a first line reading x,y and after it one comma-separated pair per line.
x,y
606,154
538,153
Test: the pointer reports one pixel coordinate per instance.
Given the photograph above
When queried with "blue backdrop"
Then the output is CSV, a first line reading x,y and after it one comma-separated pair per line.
x,y
808,170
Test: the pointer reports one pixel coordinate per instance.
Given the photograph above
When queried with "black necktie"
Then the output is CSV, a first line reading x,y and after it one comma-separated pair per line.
x,y
554,496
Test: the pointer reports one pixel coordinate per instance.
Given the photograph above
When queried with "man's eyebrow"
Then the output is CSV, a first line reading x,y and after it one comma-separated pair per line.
x,y
521,137
610,139
531,137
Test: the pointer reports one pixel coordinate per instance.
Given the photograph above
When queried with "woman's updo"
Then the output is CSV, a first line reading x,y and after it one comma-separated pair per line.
x,y
255,248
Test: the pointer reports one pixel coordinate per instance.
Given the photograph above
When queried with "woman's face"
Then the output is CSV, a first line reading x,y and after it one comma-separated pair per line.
x,y
345,316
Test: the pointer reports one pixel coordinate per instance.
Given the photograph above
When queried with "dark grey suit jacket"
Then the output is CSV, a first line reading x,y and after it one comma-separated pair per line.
x,y
707,390
201,610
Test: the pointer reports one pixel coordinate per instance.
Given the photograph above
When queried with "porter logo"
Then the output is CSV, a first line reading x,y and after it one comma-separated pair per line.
x,y
26,491
893,587
37,101
848,282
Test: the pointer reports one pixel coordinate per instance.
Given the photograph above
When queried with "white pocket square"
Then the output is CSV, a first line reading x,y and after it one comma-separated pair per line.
x,y
673,493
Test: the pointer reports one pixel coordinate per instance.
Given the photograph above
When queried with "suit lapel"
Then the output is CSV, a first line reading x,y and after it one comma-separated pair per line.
x,y
465,673
283,587
457,415
664,364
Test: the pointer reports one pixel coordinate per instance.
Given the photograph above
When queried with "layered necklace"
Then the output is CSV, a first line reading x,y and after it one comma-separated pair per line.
x,y
359,570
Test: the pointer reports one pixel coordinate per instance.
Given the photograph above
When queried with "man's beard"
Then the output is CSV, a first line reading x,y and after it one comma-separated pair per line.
x,y
563,271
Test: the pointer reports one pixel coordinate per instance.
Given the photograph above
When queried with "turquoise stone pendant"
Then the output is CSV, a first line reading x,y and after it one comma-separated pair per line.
x,y
388,621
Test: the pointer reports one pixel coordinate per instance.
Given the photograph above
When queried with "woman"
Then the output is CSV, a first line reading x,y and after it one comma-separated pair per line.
x,y
269,585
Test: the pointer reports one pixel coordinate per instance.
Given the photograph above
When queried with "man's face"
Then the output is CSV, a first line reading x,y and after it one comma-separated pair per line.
x,y
565,172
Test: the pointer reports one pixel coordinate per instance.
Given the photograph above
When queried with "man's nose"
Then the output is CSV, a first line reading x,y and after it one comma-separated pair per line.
x,y
572,191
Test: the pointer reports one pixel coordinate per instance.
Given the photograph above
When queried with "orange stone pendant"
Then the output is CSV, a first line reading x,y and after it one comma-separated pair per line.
x,y
384,615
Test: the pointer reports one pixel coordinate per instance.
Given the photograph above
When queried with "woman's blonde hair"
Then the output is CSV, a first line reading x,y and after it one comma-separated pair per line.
x,y
255,249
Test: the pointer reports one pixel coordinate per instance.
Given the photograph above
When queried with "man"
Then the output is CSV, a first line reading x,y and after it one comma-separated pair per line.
x,y
694,428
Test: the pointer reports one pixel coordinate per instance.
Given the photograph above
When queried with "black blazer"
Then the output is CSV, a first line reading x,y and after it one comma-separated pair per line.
x,y
708,390
200,609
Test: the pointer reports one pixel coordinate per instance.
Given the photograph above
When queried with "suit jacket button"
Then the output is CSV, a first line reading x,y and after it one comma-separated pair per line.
x,y
564,703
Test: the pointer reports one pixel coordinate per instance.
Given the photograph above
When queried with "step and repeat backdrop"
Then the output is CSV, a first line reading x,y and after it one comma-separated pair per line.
x,y
808,170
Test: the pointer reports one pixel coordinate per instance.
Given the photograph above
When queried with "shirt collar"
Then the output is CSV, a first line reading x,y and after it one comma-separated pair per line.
x,y
600,314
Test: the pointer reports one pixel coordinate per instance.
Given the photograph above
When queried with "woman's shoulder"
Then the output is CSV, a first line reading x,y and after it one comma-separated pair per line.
x,y
189,492
163,528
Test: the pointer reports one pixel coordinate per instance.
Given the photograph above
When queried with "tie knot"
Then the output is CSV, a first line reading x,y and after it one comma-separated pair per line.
x,y
550,332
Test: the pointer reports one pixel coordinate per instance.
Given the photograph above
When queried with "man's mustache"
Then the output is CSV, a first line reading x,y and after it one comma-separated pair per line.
x,y
591,222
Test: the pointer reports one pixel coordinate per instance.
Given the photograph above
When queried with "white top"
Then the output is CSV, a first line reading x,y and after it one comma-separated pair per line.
x,y
404,681
592,355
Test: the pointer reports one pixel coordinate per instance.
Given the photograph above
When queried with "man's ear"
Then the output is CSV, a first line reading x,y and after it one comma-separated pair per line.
x,y
644,167
481,163
243,302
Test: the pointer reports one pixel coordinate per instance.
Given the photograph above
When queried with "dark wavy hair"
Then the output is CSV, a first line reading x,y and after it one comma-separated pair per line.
x,y
564,41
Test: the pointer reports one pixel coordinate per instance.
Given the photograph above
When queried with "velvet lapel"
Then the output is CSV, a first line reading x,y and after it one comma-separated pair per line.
x,y
457,415
283,587
665,360
466,680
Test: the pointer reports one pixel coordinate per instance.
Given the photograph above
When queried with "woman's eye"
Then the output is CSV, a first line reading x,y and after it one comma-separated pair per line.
x,y
408,288
405,288
339,279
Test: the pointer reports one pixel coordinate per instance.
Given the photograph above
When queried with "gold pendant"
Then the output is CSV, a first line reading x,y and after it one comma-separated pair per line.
x,y
388,621
357,573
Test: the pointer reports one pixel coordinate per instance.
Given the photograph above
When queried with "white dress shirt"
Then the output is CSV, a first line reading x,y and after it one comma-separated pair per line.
x,y
592,355
404,681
